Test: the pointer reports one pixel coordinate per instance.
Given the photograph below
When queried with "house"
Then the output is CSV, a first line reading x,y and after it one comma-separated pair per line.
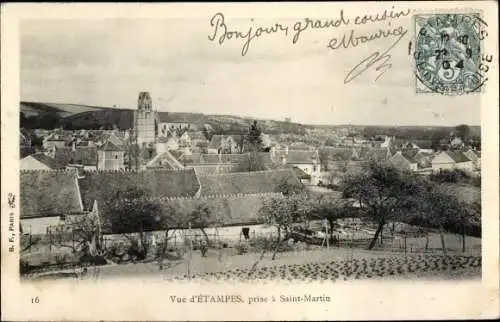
x,y
115,137
86,157
46,198
248,182
213,163
420,145
164,160
230,216
164,144
110,157
456,143
39,161
424,159
225,144
178,122
475,157
386,143
55,140
306,160
372,154
198,139
342,160
405,160
450,160
185,140
24,138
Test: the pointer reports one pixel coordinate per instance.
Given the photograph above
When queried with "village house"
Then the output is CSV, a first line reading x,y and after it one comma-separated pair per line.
x,y
225,144
307,161
213,163
405,160
178,122
47,198
185,140
55,140
420,145
24,139
457,143
386,143
450,160
164,160
110,157
233,218
198,140
164,144
475,157
86,157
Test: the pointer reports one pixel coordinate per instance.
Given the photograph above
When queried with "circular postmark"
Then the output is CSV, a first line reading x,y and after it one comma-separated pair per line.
x,y
448,55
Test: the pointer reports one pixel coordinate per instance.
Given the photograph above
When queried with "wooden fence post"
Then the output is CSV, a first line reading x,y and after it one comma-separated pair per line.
x,y
50,238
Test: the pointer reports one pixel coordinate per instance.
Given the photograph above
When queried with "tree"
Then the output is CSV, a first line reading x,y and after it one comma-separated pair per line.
x,y
255,162
87,233
332,209
382,190
288,189
323,159
131,211
281,212
463,131
201,218
253,137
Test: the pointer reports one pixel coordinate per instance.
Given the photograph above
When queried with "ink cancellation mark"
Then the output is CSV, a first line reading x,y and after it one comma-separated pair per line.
x,y
448,53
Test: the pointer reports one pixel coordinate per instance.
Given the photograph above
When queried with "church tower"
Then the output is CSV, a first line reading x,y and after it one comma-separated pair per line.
x,y
144,120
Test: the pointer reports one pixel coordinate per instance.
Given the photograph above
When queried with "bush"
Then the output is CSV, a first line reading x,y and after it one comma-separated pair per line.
x,y
261,243
24,267
134,251
88,259
451,176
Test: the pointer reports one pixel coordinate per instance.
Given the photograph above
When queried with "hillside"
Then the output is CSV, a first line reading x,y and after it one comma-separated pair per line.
x,y
74,116
62,110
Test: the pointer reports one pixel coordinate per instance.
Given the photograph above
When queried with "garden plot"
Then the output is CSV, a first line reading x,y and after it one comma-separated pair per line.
x,y
356,268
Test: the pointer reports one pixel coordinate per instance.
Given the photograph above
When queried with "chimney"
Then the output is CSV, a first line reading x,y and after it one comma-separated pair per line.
x,y
73,145
286,150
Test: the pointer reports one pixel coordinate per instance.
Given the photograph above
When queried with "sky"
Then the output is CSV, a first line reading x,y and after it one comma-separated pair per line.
x,y
107,62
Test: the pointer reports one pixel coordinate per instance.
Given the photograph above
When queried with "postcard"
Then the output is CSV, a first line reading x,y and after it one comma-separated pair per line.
x,y
258,161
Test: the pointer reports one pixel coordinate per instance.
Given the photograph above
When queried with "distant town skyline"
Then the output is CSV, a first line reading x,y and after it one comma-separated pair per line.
x,y
108,62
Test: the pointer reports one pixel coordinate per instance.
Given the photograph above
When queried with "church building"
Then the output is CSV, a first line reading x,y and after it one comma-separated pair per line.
x,y
144,120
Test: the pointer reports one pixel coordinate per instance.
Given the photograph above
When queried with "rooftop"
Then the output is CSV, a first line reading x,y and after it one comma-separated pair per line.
x,y
46,160
48,193
247,182
457,156
104,185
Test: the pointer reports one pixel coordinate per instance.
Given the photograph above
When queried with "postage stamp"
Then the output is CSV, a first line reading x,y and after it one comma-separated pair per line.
x,y
448,56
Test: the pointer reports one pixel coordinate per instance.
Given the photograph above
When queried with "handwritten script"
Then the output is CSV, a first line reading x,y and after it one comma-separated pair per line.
x,y
382,60
221,33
